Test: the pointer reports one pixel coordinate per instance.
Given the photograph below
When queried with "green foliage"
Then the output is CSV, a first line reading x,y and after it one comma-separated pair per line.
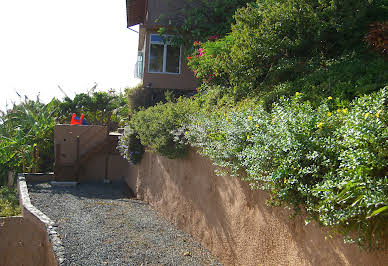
x,y
26,138
330,161
203,20
345,78
156,127
130,147
9,203
27,129
100,108
356,195
208,62
274,42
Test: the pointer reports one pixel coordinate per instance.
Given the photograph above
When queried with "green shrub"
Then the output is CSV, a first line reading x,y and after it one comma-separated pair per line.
x,y
208,62
203,20
155,126
26,138
9,203
130,147
355,196
330,161
344,78
274,42
100,108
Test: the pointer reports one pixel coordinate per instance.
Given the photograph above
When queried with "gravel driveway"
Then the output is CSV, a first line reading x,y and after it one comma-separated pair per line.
x,y
98,225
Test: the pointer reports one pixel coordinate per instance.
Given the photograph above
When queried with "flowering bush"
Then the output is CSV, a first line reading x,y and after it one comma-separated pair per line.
x,y
330,161
130,147
274,46
355,196
207,62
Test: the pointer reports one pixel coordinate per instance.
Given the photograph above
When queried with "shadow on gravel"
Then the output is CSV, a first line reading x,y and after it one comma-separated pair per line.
x,y
113,191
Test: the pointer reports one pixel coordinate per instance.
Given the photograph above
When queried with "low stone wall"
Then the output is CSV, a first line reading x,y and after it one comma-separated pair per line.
x,y
29,239
233,221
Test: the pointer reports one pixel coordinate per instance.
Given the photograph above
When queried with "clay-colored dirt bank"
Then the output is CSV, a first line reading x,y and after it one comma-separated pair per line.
x,y
233,221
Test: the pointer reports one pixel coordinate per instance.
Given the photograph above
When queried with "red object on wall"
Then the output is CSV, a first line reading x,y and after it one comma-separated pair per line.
x,y
76,120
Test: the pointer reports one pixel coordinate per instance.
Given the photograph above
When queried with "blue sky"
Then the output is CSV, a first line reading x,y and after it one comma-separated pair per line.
x,y
70,43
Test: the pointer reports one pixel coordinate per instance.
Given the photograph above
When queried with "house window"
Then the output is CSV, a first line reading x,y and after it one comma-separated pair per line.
x,y
164,57
139,66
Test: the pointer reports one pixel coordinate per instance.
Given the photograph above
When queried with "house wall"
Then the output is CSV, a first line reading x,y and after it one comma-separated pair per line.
x,y
233,221
164,12
135,11
184,80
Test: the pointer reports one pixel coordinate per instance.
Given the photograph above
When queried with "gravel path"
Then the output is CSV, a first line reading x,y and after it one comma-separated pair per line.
x,y
100,226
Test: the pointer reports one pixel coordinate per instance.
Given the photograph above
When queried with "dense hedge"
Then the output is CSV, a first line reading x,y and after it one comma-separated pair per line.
x,y
330,161
273,44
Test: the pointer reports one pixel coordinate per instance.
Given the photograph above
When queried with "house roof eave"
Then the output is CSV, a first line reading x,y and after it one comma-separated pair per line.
x,y
136,12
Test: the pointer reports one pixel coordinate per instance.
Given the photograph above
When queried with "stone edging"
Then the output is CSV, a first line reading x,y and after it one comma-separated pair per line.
x,y
53,236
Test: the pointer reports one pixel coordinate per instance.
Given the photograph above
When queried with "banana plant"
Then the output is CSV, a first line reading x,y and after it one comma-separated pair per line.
x,y
26,137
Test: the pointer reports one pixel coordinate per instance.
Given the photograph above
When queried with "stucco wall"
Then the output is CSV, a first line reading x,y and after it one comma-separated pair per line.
x,y
233,221
66,137
94,170
29,239
23,242
105,163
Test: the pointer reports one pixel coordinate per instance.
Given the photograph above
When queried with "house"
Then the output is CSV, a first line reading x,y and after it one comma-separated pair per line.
x,y
160,65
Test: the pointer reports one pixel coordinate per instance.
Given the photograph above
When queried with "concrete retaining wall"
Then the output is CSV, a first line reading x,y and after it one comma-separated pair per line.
x,y
29,239
103,161
233,221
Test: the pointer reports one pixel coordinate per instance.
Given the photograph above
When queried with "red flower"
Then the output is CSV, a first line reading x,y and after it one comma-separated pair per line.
x,y
196,43
189,58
